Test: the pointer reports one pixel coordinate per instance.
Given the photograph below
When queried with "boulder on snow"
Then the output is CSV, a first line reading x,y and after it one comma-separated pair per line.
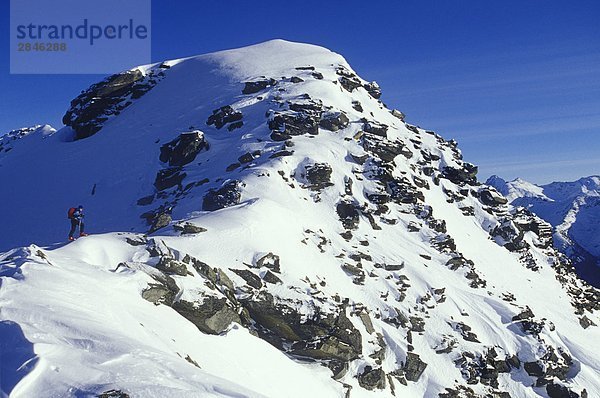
x,y
291,123
334,121
373,89
372,379
465,175
168,178
384,149
271,278
183,149
414,367
534,369
158,294
329,347
113,394
211,315
348,214
491,197
258,85
270,261
559,391
286,324
225,114
318,175
375,128
398,114
250,277
160,220
228,195
188,228
169,265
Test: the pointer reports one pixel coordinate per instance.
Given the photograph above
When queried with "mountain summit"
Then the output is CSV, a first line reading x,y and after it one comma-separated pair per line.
x,y
271,228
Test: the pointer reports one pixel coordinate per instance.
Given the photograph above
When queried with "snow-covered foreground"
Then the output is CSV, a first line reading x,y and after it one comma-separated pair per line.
x,y
305,241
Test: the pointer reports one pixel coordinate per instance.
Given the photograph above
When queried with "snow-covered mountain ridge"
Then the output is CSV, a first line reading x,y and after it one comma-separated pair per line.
x,y
573,209
272,229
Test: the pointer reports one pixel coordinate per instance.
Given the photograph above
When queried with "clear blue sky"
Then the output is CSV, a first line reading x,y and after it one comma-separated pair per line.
x,y
517,83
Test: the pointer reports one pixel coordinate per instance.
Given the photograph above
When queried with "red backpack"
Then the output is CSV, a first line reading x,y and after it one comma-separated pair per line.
x,y
71,212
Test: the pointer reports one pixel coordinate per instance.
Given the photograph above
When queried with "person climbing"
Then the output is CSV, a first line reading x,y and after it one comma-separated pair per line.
x,y
76,216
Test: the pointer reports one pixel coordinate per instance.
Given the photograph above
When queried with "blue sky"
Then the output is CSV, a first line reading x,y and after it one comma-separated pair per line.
x,y
517,83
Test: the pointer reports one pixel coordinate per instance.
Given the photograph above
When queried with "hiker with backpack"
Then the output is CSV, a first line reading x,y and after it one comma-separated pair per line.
x,y
76,216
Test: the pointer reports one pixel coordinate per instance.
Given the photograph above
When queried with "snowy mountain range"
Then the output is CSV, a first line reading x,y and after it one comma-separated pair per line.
x,y
573,209
264,226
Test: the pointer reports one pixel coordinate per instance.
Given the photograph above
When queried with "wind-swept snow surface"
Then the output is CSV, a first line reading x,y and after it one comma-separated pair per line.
x,y
270,228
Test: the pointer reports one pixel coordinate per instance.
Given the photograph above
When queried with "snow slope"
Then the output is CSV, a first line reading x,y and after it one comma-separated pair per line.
x,y
322,248
573,209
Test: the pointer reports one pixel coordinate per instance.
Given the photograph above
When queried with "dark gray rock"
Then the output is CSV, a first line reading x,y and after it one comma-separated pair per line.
x,y
402,191
285,324
250,277
189,228
373,89
348,214
398,114
350,83
258,85
102,100
338,368
334,121
183,149
168,178
523,315
291,123
465,175
159,294
559,391
384,149
270,261
509,235
307,106
171,266
491,197
375,129
329,347
280,154
226,114
157,248
534,369
356,105
318,175
159,221
212,315
113,394
228,195
249,157
414,367
372,379
216,276
271,278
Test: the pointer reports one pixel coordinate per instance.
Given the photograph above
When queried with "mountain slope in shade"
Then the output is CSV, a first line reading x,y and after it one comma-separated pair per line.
x,y
573,209
268,227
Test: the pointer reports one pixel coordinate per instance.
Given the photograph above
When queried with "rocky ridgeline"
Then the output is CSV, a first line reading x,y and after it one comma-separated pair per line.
x,y
391,176
8,140
106,99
